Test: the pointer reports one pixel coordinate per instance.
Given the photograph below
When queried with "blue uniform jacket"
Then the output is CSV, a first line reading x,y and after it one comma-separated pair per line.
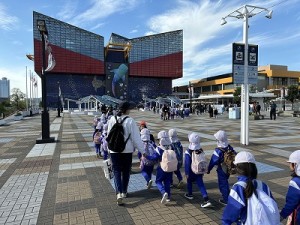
x,y
177,147
217,158
236,209
151,143
157,155
292,199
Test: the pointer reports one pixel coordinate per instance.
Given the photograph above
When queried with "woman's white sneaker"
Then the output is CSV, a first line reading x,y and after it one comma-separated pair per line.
x,y
119,199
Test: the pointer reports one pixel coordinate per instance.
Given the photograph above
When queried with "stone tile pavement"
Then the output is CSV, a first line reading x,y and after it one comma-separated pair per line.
x,y
63,182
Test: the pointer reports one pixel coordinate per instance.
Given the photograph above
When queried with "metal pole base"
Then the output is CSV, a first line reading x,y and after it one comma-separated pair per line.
x,y
45,130
58,113
45,140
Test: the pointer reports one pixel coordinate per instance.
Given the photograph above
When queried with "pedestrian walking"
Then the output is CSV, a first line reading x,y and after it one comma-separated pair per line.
x,y
122,161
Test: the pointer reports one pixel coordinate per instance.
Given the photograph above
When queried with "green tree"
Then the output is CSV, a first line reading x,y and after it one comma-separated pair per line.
x,y
293,94
237,96
17,99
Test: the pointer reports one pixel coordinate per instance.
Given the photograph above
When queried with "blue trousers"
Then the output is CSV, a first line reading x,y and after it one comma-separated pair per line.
x,y
163,181
177,173
121,163
199,180
147,172
223,184
97,148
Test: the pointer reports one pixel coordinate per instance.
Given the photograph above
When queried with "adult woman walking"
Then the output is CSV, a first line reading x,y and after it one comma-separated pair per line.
x,y
122,161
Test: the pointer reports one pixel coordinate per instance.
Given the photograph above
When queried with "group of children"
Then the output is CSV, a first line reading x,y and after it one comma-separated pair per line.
x,y
99,136
164,179
235,198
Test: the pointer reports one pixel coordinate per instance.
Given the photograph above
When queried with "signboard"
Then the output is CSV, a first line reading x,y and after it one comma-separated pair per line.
x,y
238,59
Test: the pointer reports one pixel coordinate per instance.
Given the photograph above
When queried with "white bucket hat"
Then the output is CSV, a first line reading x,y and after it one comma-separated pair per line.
x,y
145,134
244,157
194,140
295,158
173,135
221,138
164,138
162,134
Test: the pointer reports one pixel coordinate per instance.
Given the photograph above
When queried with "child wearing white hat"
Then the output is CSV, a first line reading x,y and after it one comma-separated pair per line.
x,y
163,179
236,210
191,177
291,208
147,165
104,147
217,159
177,147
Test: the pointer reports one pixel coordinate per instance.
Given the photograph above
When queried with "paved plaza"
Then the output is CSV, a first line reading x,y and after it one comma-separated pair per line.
x,y
63,182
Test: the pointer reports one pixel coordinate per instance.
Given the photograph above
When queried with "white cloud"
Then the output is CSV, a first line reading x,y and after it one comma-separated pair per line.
x,y
100,9
68,10
133,31
203,45
6,21
97,26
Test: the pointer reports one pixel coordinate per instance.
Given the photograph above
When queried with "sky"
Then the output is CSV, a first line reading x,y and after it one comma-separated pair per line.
x,y
207,46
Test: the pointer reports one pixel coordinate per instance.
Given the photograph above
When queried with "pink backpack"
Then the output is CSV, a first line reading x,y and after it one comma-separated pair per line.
x,y
169,161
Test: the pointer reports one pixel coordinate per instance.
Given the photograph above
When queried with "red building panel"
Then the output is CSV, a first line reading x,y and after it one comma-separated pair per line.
x,y
67,61
163,66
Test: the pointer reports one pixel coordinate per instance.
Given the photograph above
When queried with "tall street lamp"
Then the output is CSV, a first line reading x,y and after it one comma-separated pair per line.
x,y
190,95
41,24
245,12
58,100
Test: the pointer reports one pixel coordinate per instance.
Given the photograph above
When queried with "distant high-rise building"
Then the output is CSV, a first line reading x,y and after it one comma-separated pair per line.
x,y
4,89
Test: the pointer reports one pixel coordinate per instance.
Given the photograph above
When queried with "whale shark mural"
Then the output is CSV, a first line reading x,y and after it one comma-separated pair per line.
x,y
117,80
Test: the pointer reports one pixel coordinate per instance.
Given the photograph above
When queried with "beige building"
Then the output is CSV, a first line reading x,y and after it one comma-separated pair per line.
x,y
271,78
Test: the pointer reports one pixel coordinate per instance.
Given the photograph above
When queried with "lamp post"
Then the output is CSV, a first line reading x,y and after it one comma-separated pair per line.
x,y
58,100
245,12
41,24
190,95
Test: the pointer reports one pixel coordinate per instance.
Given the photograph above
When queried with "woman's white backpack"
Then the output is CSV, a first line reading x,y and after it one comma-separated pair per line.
x,y
261,208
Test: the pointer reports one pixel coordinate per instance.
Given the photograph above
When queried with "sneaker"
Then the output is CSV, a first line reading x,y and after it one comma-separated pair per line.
x,y
119,199
188,196
164,198
206,204
124,195
222,202
180,184
149,185
168,200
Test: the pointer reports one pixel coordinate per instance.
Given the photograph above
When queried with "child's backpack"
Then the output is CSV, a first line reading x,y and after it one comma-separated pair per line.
x,y
178,150
115,138
261,208
97,138
149,150
228,165
199,163
169,161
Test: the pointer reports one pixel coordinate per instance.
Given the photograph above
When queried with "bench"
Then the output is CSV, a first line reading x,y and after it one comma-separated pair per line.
x,y
296,114
278,113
